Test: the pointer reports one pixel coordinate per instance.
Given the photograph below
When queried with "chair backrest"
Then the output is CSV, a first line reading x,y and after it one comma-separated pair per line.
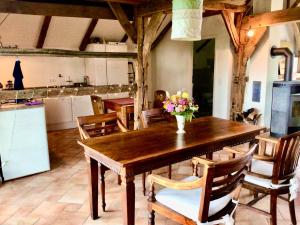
x,y
286,157
159,97
221,179
99,125
97,104
152,116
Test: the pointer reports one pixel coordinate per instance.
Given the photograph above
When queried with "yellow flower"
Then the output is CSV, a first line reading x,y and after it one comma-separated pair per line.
x,y
185,94
173,98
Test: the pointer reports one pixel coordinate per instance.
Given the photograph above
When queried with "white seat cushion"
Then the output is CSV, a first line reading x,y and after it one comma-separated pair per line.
x,y
262,167
187,202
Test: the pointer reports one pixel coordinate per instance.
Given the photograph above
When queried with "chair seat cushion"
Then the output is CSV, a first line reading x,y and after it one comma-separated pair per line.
x,y
262,167
187,202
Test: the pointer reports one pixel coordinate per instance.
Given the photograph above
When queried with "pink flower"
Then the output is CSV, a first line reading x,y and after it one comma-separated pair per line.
x,y
170,107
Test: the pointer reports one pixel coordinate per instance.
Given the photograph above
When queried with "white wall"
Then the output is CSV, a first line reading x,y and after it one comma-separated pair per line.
x,y
43,71
172,64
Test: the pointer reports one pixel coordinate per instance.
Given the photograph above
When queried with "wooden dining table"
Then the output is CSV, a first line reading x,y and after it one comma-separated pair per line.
x,y
136,152
123,107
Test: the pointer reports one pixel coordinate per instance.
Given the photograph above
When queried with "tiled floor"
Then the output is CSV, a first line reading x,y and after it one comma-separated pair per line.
x,y
60,197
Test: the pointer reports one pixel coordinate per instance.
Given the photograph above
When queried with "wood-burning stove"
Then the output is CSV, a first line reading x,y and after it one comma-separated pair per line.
x,y
286,99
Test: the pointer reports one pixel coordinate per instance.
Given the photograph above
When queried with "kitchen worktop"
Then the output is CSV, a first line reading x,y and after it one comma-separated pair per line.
x,y
14,106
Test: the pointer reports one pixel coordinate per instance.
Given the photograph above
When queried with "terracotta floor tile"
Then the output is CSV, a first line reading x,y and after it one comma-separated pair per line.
x,y
60,196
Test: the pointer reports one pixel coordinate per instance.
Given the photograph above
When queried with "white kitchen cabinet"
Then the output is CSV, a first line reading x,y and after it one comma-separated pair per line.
x,y
117,69
59,113
81,106
95,68
62,112
23,138
107,71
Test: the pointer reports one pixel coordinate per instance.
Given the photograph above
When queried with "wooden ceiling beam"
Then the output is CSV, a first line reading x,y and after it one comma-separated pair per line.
x,y
161,35
123,19
296,3
228,18
100,11
44,31
88,34
271,18
165,6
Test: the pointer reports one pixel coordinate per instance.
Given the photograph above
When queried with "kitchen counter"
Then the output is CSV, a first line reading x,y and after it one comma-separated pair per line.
x,y
10,107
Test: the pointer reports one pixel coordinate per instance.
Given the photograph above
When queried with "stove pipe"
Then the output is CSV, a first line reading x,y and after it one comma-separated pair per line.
x,y
289,58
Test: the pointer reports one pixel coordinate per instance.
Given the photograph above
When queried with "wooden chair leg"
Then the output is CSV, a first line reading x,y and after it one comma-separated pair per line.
x,y
144,183
273,209
170,172
292,212
102,180
119,180
151,218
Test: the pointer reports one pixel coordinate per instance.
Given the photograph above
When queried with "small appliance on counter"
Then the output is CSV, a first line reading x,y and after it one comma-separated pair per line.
x,y
9,85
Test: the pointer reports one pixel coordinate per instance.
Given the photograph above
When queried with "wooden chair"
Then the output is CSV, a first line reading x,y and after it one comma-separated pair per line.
x,y
194,200
274,175
159,97
100,125
149,118
97,104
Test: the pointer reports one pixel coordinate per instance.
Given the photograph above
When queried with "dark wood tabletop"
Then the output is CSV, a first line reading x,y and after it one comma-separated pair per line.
x,y
123,106
121,101
136,152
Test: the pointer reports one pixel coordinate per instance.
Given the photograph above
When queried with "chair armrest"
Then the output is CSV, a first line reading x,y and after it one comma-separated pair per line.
x,y
264,158
233,151
177,185
202,161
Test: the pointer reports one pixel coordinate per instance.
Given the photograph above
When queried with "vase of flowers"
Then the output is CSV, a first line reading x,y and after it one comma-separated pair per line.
x,y
181,106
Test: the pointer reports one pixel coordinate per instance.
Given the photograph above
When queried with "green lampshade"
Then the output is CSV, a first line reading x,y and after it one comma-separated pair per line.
x,y
187,20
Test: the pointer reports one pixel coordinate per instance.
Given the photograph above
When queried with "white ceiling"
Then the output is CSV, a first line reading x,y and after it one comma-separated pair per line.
x,y
63,32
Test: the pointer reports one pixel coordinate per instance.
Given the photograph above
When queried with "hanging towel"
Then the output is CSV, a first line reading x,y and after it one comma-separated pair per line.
x,y
18,75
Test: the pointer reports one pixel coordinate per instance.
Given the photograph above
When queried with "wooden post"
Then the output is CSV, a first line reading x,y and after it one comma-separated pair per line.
x,y
245,50
146,33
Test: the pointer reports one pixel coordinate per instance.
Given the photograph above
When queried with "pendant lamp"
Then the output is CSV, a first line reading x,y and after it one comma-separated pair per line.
x,y
187,20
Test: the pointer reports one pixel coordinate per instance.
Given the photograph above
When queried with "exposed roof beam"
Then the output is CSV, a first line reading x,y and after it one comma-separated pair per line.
x,y
161,35
231,28
64,53
271,18
169,25
215,5
296,3
96,11
44,31
123,19
88,34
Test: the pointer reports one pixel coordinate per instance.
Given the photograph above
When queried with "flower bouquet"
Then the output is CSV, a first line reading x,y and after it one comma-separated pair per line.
x,y
182,106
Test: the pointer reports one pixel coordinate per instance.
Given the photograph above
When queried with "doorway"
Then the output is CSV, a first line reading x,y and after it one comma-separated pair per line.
x,y
203,75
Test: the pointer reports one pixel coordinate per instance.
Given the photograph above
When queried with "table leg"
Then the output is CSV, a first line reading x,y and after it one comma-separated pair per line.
x,y
128,200
1,172
102,180
123,115
93,186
